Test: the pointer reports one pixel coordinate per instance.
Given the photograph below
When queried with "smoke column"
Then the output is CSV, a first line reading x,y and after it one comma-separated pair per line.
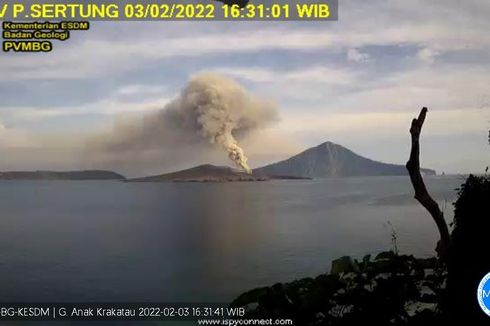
x,y
217,108
210,111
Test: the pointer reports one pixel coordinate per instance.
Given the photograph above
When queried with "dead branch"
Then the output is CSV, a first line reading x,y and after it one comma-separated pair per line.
x,y
421,193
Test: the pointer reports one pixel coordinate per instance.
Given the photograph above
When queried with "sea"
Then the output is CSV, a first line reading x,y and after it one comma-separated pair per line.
x,y
111,241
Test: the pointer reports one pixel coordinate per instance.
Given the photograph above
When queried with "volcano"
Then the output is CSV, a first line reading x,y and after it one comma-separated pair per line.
x,y
332,160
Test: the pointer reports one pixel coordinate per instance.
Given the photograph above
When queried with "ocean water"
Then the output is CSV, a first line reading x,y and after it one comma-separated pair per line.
x,y
200,242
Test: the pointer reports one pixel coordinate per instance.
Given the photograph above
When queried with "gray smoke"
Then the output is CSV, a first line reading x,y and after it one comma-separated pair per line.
x,y
217,108
211,109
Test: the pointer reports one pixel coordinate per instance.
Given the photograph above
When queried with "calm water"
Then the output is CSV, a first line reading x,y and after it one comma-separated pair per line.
x,y
115,241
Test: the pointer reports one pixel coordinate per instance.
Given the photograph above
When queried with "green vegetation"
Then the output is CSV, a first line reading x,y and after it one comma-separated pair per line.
x,y
469,259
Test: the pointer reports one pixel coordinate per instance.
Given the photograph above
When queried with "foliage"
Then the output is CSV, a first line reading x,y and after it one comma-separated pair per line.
x,y
469,257
391,289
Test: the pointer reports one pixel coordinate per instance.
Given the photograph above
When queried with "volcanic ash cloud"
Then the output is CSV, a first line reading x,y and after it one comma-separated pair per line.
x,y
220,110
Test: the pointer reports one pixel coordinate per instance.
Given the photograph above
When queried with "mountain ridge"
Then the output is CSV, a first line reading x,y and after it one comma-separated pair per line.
x,y
208,173
61,175
325,160
332,160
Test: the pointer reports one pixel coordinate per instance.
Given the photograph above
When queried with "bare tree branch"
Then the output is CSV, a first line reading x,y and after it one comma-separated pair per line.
x,y
421,193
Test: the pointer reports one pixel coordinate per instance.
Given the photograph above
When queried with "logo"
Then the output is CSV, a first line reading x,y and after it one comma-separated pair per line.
x,y
484,294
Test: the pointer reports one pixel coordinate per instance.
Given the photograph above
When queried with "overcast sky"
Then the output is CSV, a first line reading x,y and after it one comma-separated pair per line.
x,y
357,82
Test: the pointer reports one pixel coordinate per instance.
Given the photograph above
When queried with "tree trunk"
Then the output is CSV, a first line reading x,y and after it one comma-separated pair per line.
x,y
421,193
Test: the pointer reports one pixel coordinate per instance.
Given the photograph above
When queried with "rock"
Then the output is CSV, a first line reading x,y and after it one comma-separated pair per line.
x,y
386,255
340,310
413,308
251,306
344,265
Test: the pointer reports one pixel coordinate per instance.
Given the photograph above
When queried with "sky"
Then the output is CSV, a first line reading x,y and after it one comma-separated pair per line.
x,y
357,82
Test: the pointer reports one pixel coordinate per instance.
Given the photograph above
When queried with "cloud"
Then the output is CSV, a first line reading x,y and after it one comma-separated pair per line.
x,y
388,123
377,23
129,99
453,141
310,74
355,55
20,138
23,149
427,55
140,89
210,112
95,58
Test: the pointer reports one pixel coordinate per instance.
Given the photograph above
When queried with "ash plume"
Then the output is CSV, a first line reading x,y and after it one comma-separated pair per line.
x,y
217,107
211,111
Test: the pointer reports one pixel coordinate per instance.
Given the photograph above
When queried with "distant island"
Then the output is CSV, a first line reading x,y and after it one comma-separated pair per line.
x,y
323,161
332,160
209,173
61,175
